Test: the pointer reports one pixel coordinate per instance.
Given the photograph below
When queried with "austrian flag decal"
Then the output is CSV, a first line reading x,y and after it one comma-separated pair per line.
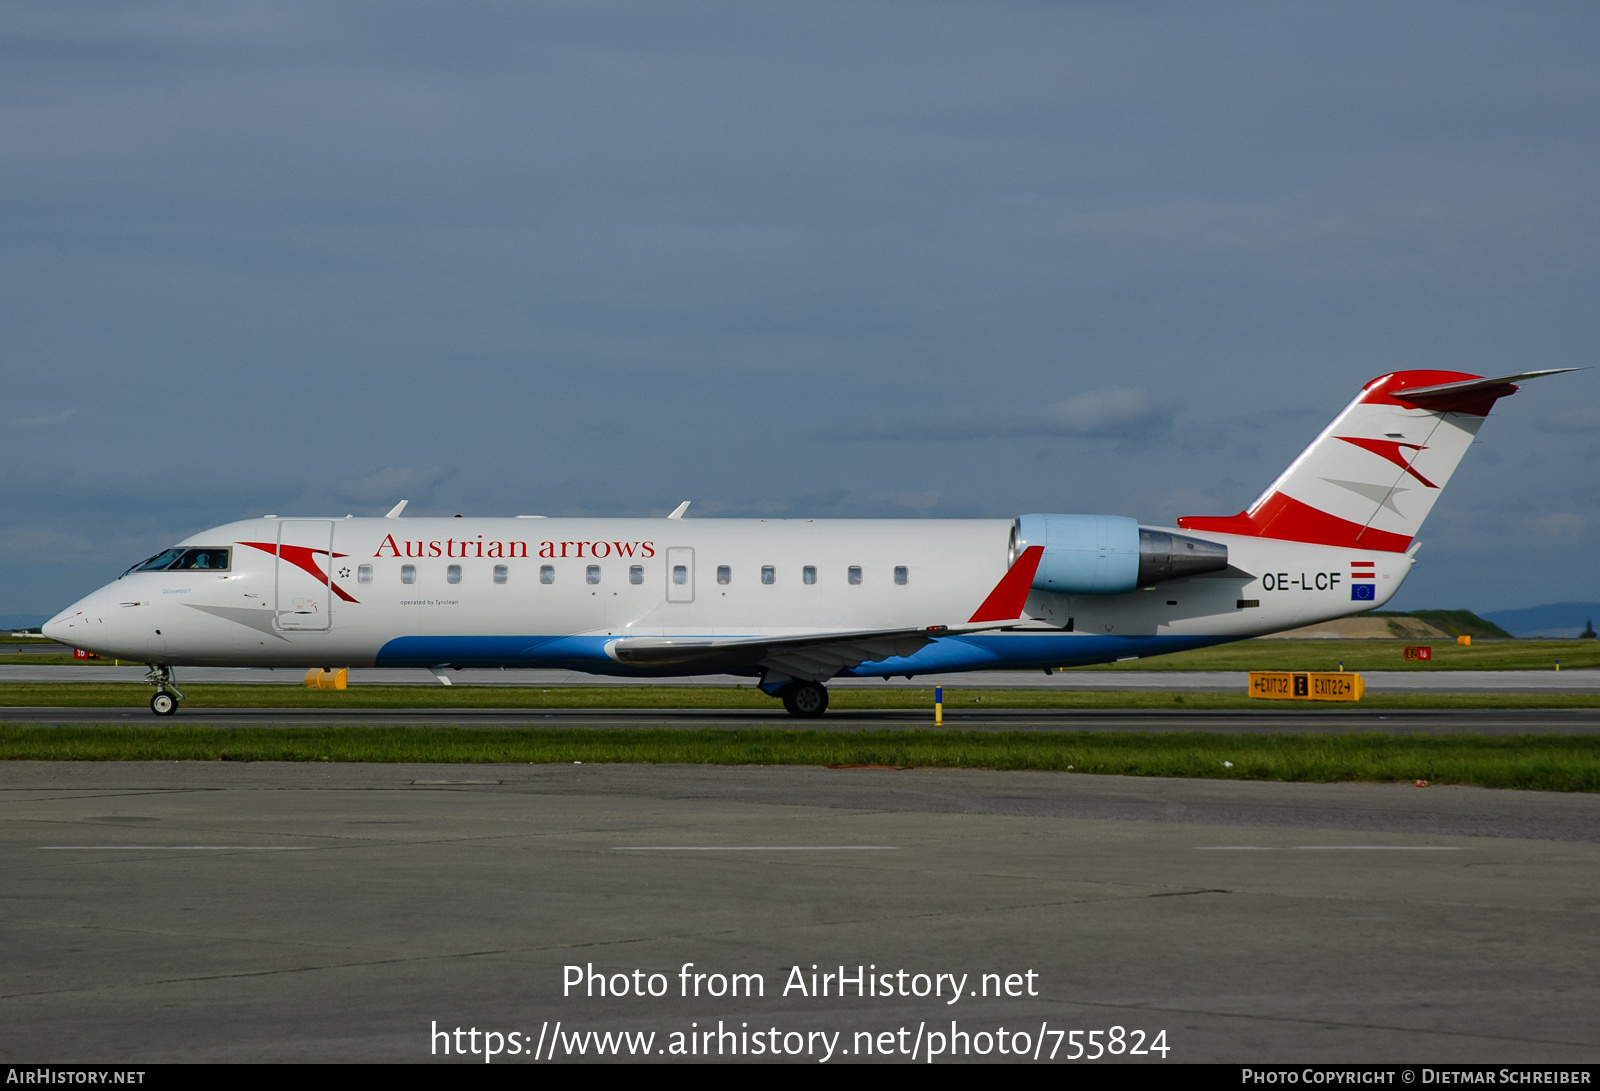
x,y
1362,587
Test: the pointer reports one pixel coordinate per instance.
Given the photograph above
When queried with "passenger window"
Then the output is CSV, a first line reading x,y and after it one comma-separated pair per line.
x,y
855,573
724,574
500,573
453,574
636,574
769,574
680,574
592,574
547,573
900,574
364,574
408,573
808,574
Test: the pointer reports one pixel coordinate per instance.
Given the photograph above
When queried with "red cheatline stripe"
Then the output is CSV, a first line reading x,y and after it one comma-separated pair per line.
x,y
1005,602
1281,516
1363,564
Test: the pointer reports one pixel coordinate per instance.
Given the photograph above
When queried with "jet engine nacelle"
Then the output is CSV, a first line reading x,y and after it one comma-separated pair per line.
x,y
1110,554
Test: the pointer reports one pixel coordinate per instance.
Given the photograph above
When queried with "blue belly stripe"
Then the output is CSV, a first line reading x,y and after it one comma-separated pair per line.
x,y
977,651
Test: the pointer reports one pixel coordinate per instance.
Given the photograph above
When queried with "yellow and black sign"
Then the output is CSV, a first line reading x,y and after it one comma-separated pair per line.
x,y
1307,685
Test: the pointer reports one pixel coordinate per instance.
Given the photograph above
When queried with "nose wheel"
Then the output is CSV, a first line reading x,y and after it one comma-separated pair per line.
x,y
807,699
165,701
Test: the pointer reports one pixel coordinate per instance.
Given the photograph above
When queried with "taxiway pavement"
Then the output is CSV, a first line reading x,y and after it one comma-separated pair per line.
x,y
208,912
966,717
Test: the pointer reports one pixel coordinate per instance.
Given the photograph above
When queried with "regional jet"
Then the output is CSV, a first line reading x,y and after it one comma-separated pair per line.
x,y
794,603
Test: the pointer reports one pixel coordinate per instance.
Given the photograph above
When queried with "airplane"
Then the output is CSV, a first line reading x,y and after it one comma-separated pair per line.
x,y
795,603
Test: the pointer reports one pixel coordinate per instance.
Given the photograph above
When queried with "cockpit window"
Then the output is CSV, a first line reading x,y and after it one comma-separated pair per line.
x,y
205,559
210,560
157,563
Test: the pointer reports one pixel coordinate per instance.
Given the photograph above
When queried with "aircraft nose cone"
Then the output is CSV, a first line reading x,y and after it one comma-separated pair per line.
x,y
56,627
79,623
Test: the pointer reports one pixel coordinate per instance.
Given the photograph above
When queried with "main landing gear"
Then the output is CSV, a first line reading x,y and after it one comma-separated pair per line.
x,y
808,699
165,701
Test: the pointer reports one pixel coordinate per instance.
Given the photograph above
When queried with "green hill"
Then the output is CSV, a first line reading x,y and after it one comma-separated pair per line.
x,y
1454,622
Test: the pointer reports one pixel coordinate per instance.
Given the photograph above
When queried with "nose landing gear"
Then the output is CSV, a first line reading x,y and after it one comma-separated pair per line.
x,y
167,696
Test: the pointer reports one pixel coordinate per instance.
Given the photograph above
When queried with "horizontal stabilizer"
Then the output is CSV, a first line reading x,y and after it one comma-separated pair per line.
x,y
1470,386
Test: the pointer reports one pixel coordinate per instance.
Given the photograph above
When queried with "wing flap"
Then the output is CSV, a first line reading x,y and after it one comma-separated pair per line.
x,y
813,656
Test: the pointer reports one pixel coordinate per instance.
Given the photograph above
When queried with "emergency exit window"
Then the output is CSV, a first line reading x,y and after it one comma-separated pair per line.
x,y
680,573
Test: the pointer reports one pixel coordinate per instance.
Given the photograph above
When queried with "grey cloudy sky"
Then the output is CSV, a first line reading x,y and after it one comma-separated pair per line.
x,y
886,259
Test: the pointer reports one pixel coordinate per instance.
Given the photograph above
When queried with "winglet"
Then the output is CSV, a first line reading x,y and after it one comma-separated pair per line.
x,y
394,512
677,512
1005,602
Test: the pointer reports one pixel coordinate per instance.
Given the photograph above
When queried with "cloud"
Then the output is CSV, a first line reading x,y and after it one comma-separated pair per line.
x,y
1586,419
40,422
1565,526
392,484
1112,413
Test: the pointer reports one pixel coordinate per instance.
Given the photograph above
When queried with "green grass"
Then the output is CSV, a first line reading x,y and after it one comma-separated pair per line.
x,y
1371,655
1545,763
844,699
1454,622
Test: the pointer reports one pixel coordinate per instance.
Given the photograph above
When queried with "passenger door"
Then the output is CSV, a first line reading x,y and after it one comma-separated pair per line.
x,y
303,584
680,574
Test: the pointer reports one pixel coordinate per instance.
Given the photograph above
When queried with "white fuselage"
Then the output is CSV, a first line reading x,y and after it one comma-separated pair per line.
x,y
559,592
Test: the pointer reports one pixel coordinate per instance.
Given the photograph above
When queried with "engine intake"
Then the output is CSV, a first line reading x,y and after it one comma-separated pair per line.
x,y
1110,554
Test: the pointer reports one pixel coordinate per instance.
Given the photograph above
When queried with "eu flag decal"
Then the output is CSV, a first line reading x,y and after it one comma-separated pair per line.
x,y
1363,592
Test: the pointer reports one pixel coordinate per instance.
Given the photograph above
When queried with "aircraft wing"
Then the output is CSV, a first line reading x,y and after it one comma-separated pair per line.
x,y
817,657
811,656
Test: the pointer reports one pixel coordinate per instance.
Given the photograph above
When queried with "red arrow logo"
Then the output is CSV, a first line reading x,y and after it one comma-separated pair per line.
x,y
303,557
1390,449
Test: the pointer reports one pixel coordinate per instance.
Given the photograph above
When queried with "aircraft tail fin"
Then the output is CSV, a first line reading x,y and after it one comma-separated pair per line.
x,y
1372,476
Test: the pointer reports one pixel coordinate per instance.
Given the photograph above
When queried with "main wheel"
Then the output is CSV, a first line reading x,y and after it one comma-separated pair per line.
x,y
806,699
163,704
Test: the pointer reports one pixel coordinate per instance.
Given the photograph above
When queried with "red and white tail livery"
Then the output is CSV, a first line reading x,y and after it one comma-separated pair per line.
x,y
1373,475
